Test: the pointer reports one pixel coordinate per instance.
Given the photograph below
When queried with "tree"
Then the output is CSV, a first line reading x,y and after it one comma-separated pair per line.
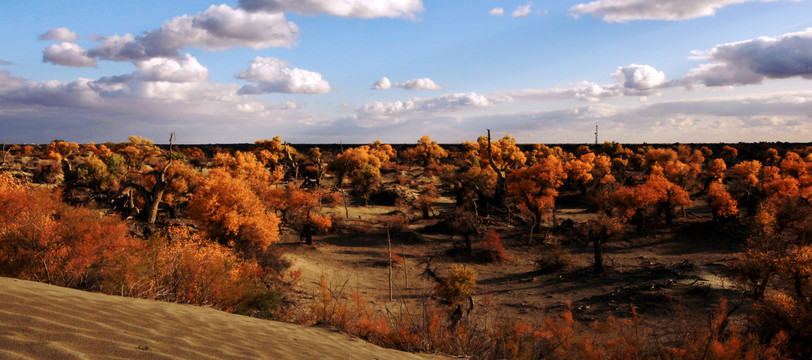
x,y
230,212
274,152
502,156
599,231
579,171
536,187
656,196
366,179
466,224
427,151
61,151
745,185
720,201
298,208
353,159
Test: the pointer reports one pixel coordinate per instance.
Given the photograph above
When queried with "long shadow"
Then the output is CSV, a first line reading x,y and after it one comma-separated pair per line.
x,y
512,277
356,241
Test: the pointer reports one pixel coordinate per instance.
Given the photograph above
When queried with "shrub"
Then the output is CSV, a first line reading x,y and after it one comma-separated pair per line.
x,y
45,240
432,170
555,259
458,285
492,246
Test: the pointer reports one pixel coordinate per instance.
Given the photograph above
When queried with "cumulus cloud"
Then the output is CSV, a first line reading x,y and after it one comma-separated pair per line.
x,y
497,11
67,54
186,69
639,79
419,84
752,61
346,8
382,84
220,27
522,10
273,75
59,34
628,10
413,84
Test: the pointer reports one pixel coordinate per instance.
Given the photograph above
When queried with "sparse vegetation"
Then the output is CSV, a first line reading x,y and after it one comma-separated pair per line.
x,y
633,236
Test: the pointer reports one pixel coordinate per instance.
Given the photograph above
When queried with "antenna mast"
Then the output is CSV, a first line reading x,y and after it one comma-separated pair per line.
x,y
596,133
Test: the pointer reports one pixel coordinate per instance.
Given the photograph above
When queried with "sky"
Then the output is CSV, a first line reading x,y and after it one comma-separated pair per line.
x,y
355,71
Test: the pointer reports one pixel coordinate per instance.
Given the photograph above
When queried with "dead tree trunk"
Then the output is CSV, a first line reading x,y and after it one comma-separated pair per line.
x,y
389,247
501,189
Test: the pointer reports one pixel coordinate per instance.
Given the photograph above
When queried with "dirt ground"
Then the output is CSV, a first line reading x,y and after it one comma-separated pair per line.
x,y
669,273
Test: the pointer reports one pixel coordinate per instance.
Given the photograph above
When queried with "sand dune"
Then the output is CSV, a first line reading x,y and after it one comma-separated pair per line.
x,y
39,321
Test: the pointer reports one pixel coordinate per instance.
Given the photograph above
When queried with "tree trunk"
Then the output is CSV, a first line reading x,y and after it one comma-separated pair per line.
x,y
596,241
405,269
499,194
155,202
468,245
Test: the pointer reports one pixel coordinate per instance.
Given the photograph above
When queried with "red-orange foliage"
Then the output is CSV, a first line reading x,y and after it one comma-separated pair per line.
x,y
720,201
492,245
536,187
657,194
45,240
298,208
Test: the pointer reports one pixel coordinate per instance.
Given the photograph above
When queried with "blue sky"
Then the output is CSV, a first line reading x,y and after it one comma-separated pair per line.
x,y
313,70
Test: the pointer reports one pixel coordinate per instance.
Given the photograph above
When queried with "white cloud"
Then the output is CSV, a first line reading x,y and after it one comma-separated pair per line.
x,y
379,109
628,10
639,78
67,54
346,8
752,61
419,84
273,75
59,34
631,80
186,69
220,27
382,84
497,11
413,84
522,10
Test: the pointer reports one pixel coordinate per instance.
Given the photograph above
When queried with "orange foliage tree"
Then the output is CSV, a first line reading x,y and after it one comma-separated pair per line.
x,y
373,155
426,152
720,201
535,188
298,208
233,214
657,196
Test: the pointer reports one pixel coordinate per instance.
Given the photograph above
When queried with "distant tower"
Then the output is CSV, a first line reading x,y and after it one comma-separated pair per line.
x,y
596,133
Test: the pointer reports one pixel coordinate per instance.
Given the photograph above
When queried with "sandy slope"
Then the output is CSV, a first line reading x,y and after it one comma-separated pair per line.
x,y
39,321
